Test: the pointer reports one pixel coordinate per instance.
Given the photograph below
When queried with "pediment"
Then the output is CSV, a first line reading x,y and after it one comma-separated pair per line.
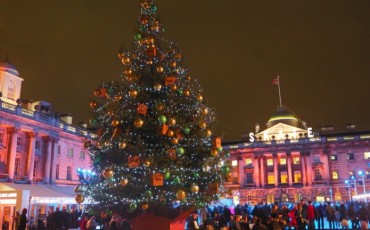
x,y
281,131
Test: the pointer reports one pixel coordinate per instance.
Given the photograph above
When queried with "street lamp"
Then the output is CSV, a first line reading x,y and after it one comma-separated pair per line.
x,y
361,173
349,189
354,182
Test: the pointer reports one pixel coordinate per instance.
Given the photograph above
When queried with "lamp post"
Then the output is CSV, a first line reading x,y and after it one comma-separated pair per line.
x,y
361,173
349,189
354,182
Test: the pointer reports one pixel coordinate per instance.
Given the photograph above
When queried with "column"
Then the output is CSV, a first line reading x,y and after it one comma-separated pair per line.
x,y
309,169
48,156
241,176
13,134
31,155
262,171
326,170
303,166
276,172
256,174
289,162
54,160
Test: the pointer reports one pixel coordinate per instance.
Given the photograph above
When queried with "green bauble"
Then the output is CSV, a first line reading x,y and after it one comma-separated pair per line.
x,y
180,91
154,8
180,151
109,212
93,121
227,154
167,175
162,119
225,169
133,206
186,130
176,180
149,193
219,149
137,36
196,175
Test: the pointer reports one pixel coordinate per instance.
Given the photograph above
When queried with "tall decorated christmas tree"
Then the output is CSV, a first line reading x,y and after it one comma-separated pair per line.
x,y
154,148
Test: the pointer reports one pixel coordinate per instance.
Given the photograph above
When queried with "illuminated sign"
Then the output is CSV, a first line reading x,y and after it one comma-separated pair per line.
x,y
8,201
8,195
280,135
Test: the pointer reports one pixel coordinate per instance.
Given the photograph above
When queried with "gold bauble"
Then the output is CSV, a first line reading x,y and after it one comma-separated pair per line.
x,y
200,97
144,19
174,87
93,104
150,62
155,27
86,144
160,69
205,111
107,173
149,40
123,182
158,86
128,72
172,121
118,97
122,145
202,125
214,152
208,133
115,123
160,107
97,92
195,188
187,92
147,163
178,55
145,206
170,133
76,189
133,93
138,122
188,78
126,60
181,194
175,141
79,198
173,64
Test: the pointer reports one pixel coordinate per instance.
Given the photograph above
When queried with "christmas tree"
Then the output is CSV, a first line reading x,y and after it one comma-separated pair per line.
x,y
154,147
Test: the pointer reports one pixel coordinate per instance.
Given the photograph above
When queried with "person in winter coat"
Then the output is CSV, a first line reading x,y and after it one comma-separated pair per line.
x,y
310,215
23,220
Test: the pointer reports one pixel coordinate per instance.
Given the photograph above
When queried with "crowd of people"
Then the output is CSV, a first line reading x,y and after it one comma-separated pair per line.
x,y
301,215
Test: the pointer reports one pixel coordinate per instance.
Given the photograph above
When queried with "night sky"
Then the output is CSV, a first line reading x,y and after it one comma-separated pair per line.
x,y
320,50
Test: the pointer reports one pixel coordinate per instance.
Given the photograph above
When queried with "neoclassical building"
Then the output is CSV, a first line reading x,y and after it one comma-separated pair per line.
x,y
41,153
287,161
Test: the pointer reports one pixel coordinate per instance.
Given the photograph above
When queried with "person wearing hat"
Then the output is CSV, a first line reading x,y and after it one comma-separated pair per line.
x,y
192,221
16,220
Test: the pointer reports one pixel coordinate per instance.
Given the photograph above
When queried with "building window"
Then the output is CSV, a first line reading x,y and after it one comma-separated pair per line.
x,y
270,178
69,173
334,175
82,154
37,145
351,156
249,178
318,176
283,161
70,152
296,160
17,166
284,177
248,161
57,172
270,162
367,155
297,177
316,158
35,165
19,141
334,158
59,150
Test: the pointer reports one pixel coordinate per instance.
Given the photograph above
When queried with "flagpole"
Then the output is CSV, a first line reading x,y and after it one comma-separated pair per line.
x,y
281,106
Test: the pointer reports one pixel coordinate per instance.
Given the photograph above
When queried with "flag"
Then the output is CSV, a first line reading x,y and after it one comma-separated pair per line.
x,y
275,81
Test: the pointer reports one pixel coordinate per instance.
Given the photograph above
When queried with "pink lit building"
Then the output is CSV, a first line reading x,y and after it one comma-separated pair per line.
x,y
41,154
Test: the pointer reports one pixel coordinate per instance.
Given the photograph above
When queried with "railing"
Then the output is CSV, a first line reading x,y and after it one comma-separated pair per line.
x,y
4,177
50,119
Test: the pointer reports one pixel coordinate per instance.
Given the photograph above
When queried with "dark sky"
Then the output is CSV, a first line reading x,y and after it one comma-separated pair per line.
x,y
320,49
